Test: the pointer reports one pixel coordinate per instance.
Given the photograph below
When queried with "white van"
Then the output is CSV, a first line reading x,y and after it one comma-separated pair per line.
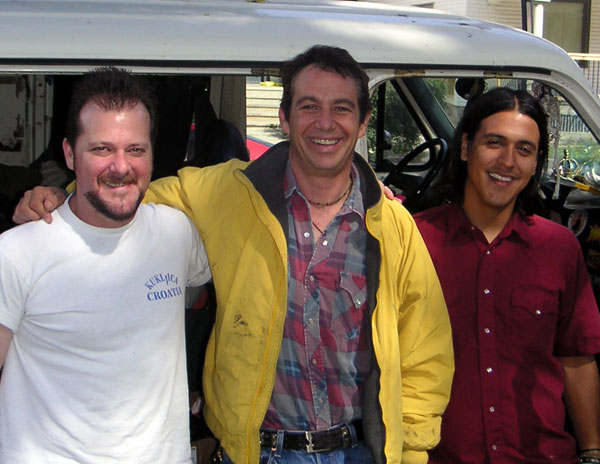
x,y
203,53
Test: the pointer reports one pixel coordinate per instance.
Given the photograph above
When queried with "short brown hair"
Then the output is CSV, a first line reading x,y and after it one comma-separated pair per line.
x,y
327,58
112,89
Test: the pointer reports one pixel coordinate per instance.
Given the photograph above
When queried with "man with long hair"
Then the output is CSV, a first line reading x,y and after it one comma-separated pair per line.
x,y
524,319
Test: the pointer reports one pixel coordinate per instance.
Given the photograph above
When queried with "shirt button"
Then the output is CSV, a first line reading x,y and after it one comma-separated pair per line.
x,y
489,370
486,330
486,291
487,252
538,312
358,301
306,235
325,242
494,447
492,409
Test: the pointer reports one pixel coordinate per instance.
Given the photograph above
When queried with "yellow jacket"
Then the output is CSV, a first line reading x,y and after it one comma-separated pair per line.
x,y
240,212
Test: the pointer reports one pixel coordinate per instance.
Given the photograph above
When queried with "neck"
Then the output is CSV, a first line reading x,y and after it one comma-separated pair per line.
x,y
88,214
489,220
339,199
324,189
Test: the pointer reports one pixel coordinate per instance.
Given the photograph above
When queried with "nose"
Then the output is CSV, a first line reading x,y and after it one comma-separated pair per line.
x,y
324,119
120,163
507,157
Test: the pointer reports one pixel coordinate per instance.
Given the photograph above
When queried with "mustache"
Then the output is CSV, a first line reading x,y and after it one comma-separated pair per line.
x,y
116,179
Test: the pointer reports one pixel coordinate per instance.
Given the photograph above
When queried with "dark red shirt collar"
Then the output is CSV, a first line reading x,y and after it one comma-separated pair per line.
x,y
518,227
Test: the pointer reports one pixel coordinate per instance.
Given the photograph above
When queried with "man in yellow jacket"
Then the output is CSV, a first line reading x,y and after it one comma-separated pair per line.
x,y
332,336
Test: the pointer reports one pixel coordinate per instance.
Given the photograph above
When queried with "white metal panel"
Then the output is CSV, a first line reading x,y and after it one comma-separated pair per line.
x,y
182,33
228,36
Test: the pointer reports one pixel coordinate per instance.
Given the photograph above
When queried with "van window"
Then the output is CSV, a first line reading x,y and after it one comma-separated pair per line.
x,y
392,131
569,136
410,111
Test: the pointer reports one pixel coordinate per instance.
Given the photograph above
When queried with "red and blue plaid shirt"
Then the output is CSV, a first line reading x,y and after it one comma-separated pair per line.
x,y
325,355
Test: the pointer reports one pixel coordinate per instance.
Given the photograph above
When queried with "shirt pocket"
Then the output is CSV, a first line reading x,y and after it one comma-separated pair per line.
x,y
531,319
348,320
355,287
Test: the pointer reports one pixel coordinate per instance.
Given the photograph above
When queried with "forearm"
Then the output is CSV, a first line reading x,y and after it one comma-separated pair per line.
x,y
582,399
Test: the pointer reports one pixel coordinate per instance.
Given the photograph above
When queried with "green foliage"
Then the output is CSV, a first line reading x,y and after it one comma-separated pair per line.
x,y
398,122
439,87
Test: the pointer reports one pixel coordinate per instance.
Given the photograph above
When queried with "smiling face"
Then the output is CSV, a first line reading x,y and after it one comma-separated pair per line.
x,y
501,160
112,160
323,124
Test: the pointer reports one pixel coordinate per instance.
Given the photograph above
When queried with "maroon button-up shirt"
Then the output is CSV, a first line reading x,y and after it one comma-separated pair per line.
x,y
515,306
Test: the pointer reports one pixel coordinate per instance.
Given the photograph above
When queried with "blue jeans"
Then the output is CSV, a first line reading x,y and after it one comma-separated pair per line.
x,y
358,454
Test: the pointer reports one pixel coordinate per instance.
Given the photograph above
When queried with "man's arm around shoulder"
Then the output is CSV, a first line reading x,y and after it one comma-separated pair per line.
x,y
38,203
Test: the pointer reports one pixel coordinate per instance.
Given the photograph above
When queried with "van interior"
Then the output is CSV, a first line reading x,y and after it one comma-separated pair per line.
x,y
408,138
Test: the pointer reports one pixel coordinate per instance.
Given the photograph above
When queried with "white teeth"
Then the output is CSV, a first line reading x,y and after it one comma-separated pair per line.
x,y
500,178
113,184
325,141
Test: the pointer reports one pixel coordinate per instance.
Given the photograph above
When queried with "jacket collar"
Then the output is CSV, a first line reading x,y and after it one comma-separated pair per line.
x,y
267,172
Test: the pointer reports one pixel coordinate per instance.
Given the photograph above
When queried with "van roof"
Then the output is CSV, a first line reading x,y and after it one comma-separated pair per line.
x,y
242,37
239,33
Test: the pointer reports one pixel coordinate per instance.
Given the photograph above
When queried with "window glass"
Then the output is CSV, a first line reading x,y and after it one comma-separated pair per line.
x,y
569,136
564,23
399,132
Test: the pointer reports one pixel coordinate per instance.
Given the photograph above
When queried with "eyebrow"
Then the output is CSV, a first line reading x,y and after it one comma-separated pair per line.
x,y
310,98
500,136
136,144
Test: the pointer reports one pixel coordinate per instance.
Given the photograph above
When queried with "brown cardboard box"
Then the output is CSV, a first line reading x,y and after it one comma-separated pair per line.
x,y
202,450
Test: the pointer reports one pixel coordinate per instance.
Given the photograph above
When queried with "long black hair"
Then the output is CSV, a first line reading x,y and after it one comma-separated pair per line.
x,y
482,106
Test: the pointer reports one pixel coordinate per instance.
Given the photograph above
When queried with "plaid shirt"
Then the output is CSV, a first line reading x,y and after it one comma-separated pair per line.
x,y
325,355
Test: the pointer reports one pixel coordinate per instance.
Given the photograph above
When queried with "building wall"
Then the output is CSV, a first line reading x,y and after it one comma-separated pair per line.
x,y
506,12
450,6
595,27
458,7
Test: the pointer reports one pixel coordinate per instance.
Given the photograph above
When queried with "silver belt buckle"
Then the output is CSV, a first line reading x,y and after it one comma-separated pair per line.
x,y
310,448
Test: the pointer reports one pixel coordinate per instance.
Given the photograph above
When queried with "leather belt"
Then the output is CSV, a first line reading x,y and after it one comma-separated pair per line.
x,y
314,441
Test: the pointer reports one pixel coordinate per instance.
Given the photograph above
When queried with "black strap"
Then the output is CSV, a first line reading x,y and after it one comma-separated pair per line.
x,y
314,441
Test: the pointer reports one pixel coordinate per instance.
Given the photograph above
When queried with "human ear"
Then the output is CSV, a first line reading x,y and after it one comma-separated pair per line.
x,y
464,147
362,129
69,155
285,126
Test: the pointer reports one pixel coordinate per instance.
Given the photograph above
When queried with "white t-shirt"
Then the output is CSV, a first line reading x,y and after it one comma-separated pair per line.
x,y
96,370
